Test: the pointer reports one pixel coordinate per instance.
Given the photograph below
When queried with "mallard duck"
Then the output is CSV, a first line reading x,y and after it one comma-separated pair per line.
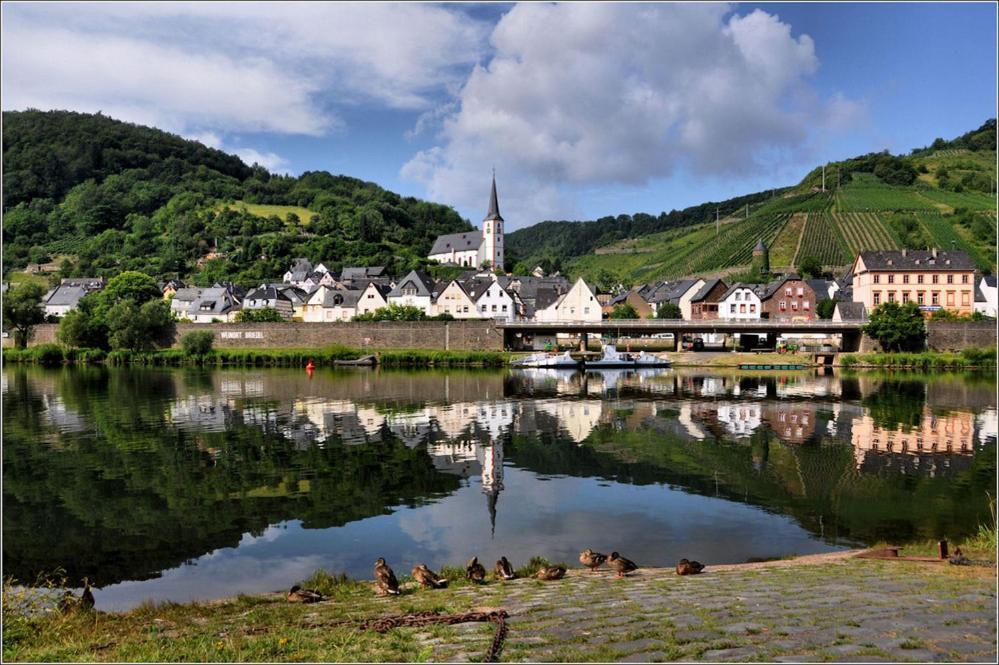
x,y
385,580
503,570
299,595
550,573
684,567
475,570
87,597
621,565
591,559
427,578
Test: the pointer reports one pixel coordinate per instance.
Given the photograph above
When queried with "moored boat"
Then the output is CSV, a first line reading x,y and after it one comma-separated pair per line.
x,y
614,358
547,361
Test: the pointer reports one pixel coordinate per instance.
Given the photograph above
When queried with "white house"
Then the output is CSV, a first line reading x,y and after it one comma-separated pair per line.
x,y
373,296
327,305
986,302
269,297
474,248
216,303
415,289
578,304
491,300
62,299
741,301
454,300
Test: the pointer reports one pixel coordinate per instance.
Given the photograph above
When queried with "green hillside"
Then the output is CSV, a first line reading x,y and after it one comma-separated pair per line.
x,y
103,196
934,197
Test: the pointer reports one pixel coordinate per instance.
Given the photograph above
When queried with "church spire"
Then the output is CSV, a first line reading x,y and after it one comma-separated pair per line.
x,y
493,214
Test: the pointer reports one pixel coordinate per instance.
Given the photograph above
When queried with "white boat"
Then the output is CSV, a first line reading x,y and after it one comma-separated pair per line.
x,y
547,361
614,358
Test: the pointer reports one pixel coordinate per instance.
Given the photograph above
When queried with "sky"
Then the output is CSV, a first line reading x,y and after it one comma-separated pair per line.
x,y
583,109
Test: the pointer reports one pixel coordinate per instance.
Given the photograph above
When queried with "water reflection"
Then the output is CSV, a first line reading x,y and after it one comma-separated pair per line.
x,y
190,484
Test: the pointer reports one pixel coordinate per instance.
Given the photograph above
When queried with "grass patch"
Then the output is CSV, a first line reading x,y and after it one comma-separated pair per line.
x,y
973,358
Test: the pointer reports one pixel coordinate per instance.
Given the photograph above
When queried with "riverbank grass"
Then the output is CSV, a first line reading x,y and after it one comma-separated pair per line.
x,y
973,358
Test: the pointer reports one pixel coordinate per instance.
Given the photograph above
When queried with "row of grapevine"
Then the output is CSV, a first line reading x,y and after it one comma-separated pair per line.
x,y
863,230
735,247
947,237
967,199
787,241
867,199
821,240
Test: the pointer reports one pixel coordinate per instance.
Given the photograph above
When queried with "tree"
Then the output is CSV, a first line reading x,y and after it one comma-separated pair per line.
x,y
394,312
825,308
262,315
82,327
22,310
810,267
130,285
140,328
897,327
198,342
669,310
624,311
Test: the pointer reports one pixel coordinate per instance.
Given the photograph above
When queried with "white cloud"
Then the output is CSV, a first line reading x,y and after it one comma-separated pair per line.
x,y
585,94
233,67
269,160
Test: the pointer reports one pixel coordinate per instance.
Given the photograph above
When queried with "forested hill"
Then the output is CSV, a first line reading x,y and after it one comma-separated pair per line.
x,y
939,196
99,196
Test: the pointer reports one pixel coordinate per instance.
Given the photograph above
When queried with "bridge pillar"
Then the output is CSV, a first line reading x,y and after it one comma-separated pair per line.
x,y
584,342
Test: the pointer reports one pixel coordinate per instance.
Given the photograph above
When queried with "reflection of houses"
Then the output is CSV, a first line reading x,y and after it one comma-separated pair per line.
x,y
988,424
791,422
201,413
576,417
739,419
951,434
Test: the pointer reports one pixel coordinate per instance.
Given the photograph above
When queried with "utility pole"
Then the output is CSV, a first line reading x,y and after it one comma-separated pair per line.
x,y
747,211
717,224
823,177
838,173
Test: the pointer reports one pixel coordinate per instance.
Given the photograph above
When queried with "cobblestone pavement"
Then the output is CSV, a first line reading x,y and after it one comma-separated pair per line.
x,y
842,610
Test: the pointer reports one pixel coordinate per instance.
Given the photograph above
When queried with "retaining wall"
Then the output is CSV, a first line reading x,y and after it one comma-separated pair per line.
x,y
949,336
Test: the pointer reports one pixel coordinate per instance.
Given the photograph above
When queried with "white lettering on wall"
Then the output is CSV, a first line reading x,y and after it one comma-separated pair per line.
x,y
231,335
254,335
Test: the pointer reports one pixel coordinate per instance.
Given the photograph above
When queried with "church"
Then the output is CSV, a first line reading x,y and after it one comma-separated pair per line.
x,y
474,248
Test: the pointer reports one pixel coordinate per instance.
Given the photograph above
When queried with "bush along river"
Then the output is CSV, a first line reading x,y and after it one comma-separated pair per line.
x,y
194,484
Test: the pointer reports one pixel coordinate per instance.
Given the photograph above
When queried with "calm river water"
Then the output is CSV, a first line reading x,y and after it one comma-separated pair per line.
x,y
190,484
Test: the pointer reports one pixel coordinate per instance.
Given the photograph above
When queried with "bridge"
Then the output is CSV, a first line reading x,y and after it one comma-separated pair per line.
x,y
850,331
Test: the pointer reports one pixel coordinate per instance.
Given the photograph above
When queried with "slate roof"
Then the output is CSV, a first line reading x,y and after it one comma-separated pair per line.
x,y
462,242
493,213
87,282
820,286
670,291
979,296
755,288
219,299
424,284
267,293
851,311
353,274
341,298
990,281
760,246
915,259
703,292
66,295
186,294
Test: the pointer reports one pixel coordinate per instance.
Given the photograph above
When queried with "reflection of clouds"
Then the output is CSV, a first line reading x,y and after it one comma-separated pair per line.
x,y
269,535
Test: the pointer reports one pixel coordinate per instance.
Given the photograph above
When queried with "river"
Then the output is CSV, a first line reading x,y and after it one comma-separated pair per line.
x,y
192,484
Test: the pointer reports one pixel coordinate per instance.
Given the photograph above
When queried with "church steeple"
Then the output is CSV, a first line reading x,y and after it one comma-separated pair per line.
x,y
493,214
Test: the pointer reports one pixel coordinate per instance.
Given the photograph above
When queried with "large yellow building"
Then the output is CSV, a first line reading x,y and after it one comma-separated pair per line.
x,y
932,279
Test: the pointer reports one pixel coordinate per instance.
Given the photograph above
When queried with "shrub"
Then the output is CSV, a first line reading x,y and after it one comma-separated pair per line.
x,y
262,315
198,343
49,355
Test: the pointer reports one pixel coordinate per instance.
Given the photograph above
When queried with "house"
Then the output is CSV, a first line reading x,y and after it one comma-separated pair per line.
x,y
38,268
492,300
269,297
985,296
182,299
704,303
631,297
328,304
933,279
357,277
578,304
677,293
825,289
416,289
304,275
218,303
849,311
454,300
373,297
474,248
531,290
169,287
789,298
741,301
62,299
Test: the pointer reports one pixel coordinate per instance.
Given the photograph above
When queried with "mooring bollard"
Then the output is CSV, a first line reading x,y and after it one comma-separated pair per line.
x,y
943,549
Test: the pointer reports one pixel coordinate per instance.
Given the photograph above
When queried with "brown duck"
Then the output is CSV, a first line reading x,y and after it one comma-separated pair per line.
x,y
591,559
550,573
503,570
684,567
621,565
385,580
85,601
475,570
427,578
299,595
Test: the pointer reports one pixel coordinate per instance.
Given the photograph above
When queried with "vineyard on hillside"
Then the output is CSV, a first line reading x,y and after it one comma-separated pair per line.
x,y
966,199
864,230
735,247
821,240
786,243
877,199
947,236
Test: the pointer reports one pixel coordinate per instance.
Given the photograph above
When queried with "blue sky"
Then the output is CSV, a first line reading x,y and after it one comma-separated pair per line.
x,y
584,109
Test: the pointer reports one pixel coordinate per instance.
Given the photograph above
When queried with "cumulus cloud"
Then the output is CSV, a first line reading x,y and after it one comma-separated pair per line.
x,y
583,94
271,161
269,67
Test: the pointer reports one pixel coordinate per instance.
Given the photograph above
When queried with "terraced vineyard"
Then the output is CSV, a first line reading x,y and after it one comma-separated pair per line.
x,y
863,230
785,245
947,236
735,247
821,240
967,199
856,198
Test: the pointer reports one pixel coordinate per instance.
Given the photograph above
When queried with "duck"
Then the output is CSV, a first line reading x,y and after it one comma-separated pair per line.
x,y
591,559
958,558
475,570
299,595
385,580
87,597
684,567
550,573
427,578
621,565
503,569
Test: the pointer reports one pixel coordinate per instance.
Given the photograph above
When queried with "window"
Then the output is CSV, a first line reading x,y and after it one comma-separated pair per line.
x,y
738,295
494,308
964,279
483,308
877,279
936,279
891,296
794,305
731,308
950,298
964,298
787,291
742,308
783,305
905,297
891,279
877,297
801,291
806,305
950,279
905,279
936,297
504,308
919,279
752,307
586,310
921,298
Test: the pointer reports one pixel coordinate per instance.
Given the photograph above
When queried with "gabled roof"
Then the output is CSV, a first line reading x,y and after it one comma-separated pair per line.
x,y
220,300
770,288
186,294
990,281
267,293
360,273
851,311
670,291
424,284
461,242
703,292
341,298
821,286
916,259
979,295
546,296
66,295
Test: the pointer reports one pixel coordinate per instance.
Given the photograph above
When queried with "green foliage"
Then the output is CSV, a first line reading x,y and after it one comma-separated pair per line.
x,y
624,311
909,231
128,314
825,308
140,327
262,315
983,138
22,310
897,327
925,360
669,310
397,312
198,342
809,267
821,239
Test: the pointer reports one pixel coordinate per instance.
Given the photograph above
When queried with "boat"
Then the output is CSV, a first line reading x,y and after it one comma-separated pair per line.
x,y
547,361
363,361
614,358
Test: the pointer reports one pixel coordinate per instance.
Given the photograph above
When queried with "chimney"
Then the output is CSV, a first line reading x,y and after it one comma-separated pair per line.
x,y
905,252
933,252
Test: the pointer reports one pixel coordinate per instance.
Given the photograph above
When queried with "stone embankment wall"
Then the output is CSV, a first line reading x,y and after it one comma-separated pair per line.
x,y
945,336
447,335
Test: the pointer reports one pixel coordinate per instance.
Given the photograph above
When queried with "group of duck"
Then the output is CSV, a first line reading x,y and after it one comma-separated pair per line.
x,y
387,584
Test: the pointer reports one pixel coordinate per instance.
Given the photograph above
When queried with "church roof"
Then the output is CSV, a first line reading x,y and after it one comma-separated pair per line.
x,y
760,246
494,213
460,242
